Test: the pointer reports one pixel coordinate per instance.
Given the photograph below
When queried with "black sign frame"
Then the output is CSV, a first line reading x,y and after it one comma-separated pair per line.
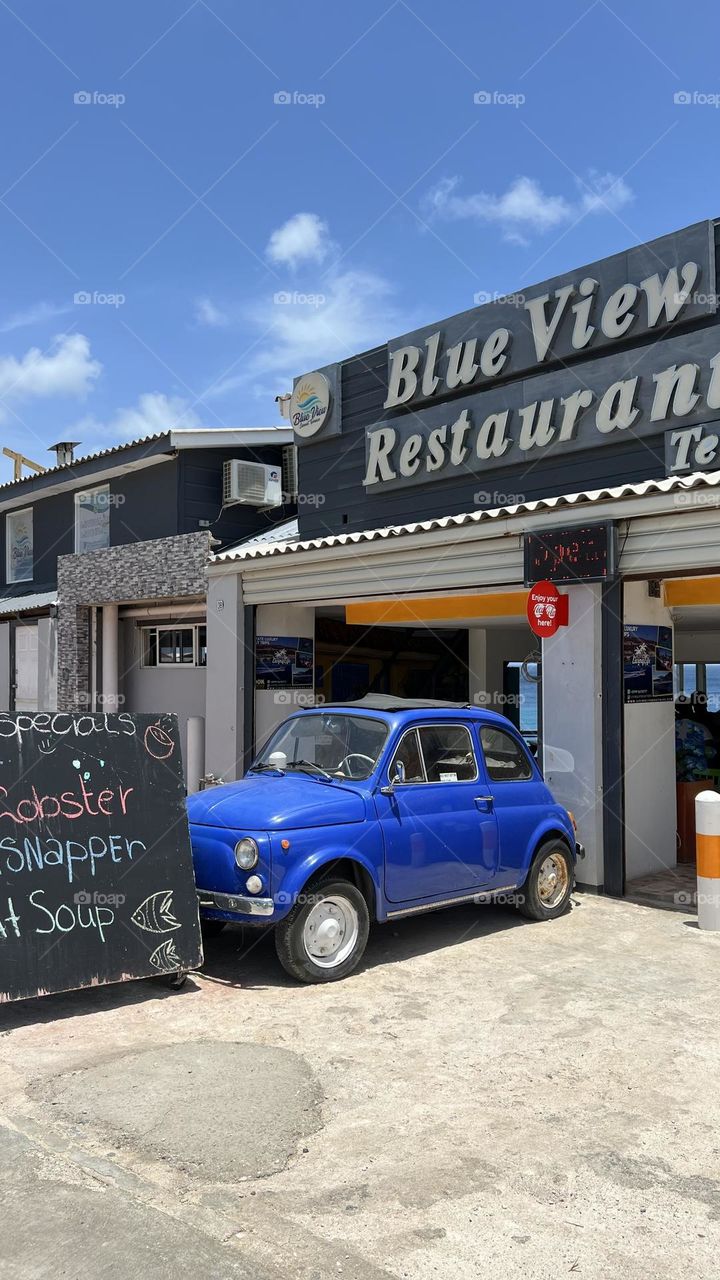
x,y
592,539
96,874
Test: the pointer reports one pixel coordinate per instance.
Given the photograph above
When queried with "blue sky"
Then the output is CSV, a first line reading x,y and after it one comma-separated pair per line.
x,y
177,243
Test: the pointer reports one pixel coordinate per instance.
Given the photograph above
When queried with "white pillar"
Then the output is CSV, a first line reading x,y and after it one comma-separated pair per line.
x,y
195,752
572,722
707,827
110,689
225,681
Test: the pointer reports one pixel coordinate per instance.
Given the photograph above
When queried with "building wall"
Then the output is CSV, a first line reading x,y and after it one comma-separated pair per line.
x,y
177,495
649,761
181,690
200,490
165,568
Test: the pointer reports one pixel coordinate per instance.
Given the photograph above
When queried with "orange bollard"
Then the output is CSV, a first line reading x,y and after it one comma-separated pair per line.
x,y
707,839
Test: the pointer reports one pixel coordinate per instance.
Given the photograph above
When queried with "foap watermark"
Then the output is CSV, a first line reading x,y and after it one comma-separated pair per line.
x,y
696,299
96,98
83,298
695,98
495,498
298,98
498,98
697,498
85,899
100,501
510,299
285,298
304,499
101,701
485,699
297,698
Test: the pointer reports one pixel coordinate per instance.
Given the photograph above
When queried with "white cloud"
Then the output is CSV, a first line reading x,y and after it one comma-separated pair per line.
x,y
353,312
524,207
66,369
303,238
153,413
37,314
604,193
206,313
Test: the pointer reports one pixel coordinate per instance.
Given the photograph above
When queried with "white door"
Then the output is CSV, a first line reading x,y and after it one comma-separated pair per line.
x,y
26,667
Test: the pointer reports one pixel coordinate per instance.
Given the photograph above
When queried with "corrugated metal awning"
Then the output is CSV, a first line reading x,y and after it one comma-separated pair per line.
x,y
253,549
23,604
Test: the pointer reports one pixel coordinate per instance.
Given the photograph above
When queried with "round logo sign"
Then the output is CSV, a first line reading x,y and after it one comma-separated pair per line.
x,y
310,404
546,609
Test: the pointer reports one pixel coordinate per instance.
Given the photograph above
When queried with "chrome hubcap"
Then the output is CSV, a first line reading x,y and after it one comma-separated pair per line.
x,y
553,879
331,932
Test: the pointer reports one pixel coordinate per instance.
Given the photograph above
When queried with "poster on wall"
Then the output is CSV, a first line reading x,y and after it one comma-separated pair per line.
x,y
92,522
283,662
647,663
19,534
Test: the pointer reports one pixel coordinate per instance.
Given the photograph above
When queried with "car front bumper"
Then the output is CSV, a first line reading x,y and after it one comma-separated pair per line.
x,y
235,903
579,850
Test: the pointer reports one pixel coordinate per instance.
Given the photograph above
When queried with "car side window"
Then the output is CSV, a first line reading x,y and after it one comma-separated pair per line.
x,y
448,753
408,754
505,758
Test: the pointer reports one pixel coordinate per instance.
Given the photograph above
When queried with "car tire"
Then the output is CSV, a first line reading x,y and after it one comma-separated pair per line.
x,y
212,928
551,879
324,936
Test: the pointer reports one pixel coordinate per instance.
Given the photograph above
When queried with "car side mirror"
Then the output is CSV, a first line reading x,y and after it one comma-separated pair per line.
x,y
397,780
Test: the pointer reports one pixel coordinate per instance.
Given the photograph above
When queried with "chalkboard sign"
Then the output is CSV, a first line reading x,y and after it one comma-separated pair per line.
x,y
96,879
583,553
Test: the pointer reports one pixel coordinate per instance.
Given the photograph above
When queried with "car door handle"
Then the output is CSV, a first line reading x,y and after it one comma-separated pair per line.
x,y
485,803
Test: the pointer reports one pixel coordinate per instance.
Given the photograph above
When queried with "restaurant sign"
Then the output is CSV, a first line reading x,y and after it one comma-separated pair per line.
x,y
459,395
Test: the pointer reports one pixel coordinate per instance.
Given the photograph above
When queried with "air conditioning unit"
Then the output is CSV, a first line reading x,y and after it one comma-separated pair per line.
x,y
290,472
251,483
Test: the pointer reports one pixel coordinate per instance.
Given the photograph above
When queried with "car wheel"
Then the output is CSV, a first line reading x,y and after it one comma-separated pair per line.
x,y
212,928
324,936
550,882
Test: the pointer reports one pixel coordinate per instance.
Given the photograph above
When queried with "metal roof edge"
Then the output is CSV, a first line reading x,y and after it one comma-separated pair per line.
x,y
586,498
145,446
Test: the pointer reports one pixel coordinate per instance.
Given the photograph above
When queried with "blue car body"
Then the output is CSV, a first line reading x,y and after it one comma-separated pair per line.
x,y
411,848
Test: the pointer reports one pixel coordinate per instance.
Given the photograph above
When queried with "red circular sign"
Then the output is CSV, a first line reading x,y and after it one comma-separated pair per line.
x,y
546,609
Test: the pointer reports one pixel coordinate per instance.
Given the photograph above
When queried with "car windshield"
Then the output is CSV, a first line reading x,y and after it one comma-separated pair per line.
x,y
329,743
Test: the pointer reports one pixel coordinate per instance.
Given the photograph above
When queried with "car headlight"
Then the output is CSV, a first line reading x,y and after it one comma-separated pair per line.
x,y
246,853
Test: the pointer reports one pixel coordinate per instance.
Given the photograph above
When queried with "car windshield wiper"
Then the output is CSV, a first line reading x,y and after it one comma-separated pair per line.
x,y
309,764
256,768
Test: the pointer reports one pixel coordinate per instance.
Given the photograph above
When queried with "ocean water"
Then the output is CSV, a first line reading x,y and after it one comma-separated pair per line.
x,y
689,681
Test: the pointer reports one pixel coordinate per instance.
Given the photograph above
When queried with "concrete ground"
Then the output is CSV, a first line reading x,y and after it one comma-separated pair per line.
x,y
485,1098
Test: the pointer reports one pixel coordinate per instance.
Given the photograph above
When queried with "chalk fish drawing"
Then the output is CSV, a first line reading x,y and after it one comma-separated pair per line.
x,y
155,913
165,958
158,743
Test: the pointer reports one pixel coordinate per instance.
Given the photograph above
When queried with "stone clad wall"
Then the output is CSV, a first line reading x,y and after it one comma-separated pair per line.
x,y
164,568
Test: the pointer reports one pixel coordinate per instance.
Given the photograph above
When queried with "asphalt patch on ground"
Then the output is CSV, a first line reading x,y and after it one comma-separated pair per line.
x,y
219,1110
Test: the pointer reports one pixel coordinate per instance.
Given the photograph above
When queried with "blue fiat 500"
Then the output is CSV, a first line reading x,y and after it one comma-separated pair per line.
x,y
373,810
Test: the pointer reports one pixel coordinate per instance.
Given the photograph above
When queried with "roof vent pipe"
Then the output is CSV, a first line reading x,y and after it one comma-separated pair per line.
x,y
64,451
